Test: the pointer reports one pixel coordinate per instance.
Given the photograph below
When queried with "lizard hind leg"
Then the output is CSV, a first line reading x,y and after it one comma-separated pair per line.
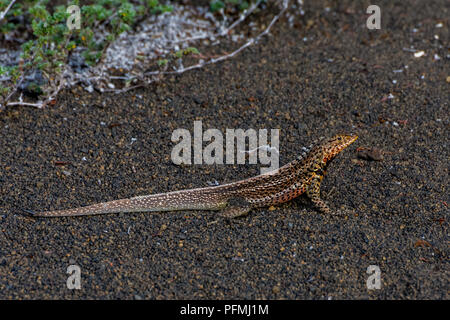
x,y
236,207
313,192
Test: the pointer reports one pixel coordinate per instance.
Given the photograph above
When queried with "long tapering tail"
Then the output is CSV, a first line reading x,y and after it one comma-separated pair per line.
x,y
192,199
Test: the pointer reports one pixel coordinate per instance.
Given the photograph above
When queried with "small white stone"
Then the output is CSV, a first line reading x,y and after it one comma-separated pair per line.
x,y
419,54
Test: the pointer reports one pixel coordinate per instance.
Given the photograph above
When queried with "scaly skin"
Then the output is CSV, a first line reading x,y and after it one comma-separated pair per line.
x,y
303,175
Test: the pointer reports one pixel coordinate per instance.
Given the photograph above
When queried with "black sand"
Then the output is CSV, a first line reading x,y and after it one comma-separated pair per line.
x,y
338,80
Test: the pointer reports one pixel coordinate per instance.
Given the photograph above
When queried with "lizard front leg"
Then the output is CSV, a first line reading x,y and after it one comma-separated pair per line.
x,y
313,192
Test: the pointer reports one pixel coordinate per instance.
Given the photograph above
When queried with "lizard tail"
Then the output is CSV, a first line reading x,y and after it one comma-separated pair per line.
x,y
193,199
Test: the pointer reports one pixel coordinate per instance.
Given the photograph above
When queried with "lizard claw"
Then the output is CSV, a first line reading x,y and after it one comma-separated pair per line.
x,y
236,207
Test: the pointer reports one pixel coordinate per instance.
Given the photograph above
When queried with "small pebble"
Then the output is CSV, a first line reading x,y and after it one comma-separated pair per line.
x,y
419,54
370,154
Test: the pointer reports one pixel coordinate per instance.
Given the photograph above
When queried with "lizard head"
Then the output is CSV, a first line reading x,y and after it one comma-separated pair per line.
x,y
331,147
317,155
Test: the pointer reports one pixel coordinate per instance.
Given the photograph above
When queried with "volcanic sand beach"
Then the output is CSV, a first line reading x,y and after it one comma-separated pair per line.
x,y
92,147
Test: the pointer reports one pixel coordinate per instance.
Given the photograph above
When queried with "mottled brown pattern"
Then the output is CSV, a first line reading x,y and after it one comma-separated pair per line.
x,y
304,174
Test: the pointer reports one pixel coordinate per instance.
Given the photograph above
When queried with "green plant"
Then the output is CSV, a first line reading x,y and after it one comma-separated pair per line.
x,y
113,17
157,8
216,5
52,42
15,11
184,52
45,54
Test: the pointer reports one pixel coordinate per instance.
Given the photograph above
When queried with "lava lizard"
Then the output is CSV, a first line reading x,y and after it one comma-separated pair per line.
x,y
302,175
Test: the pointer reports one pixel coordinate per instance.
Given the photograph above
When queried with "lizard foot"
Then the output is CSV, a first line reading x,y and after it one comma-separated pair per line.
x,y
321,205
236,207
